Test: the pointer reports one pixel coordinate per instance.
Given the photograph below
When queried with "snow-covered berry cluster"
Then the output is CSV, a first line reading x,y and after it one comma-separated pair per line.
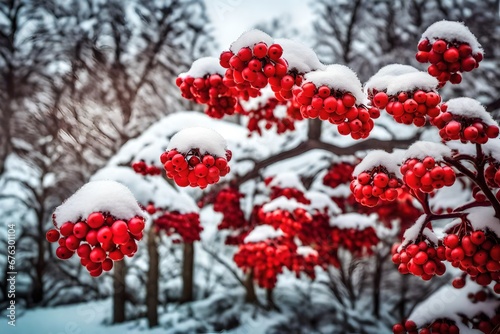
x,y
427,175
422,259
265,113
186,225
141,167
338,173
227,202
357,241
98,240
369,187
290,222
438,326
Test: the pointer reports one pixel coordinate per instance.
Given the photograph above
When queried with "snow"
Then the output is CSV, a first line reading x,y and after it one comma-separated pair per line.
x,y
250,38
412,233
299,57
470,108
408,82
423,149
105,196
338,77
287,180
306,251
204,139
283,203
452,31
262,233
483,218
204,66
320,201
149,189
354,220
449,302
386,75
375,158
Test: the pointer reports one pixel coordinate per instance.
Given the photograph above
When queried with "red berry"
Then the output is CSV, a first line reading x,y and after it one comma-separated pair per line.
x,y
104,234
95,219
52,235
64,253
275,51
119,228
97,255
107,265
80,230
91,237
136,225
66,229
83,251
72,242
439,46
260,50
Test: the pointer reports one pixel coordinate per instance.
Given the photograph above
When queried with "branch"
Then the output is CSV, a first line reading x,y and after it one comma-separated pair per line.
x,y
224,263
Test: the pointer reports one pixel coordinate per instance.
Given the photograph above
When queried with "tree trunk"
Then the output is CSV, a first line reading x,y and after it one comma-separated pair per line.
x,y
270,300
187,273
376,285
250,297
38,292
152,282
119,294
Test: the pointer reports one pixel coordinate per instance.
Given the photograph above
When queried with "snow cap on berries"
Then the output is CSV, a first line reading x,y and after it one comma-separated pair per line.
x,y
469,108
98,196
452,31
283,203
250,38
299,57
338,77
203,66
422,149
262,233
385,76
377,158
204,139
408,82
287,180
354,220
320,201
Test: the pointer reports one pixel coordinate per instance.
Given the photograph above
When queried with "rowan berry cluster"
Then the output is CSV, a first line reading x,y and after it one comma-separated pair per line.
x,y
186,225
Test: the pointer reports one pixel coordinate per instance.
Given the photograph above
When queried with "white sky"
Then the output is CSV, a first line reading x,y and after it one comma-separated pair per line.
x,y
231,18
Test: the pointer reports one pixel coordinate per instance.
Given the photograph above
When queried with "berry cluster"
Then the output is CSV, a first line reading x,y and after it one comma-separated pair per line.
x,y
289,222
140,167
426,175
187,225
486,324
288,193
477,253
371,186
98,241
358,242
209,90
251,69
492,175
335,106
409,107
266,259
465,129
420,259
447,59
305,263
441,326
265,113
195,169
227,202
338,174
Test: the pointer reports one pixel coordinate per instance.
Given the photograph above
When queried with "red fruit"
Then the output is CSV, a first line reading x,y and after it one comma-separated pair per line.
x,y
91,237
422,56
95,219
420,258
477,237
468,64
97,272
52,235
260,50
221,163
107,265
129,248
398,329
66,229
201,171
97,255
92,266
439,46
410,325
116,255
83,251
457,254
224,58
275,51
121,239
451,55
269,70
104,234
208,160
80,230
64,253
245,54
348,100
424,45
72,242
136,225
119,228
458,283
495,252
150,208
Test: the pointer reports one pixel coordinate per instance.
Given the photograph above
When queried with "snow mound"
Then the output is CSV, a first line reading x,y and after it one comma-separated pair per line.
x,y
411,234
449,302
204,66
204,139
148,189
321,201
249,39
408,82
452,31
283,203
470,108
338,77
287,180
262,233
386,75
306,251
483,218
422,149
390,161
299,57
354,220
105,196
